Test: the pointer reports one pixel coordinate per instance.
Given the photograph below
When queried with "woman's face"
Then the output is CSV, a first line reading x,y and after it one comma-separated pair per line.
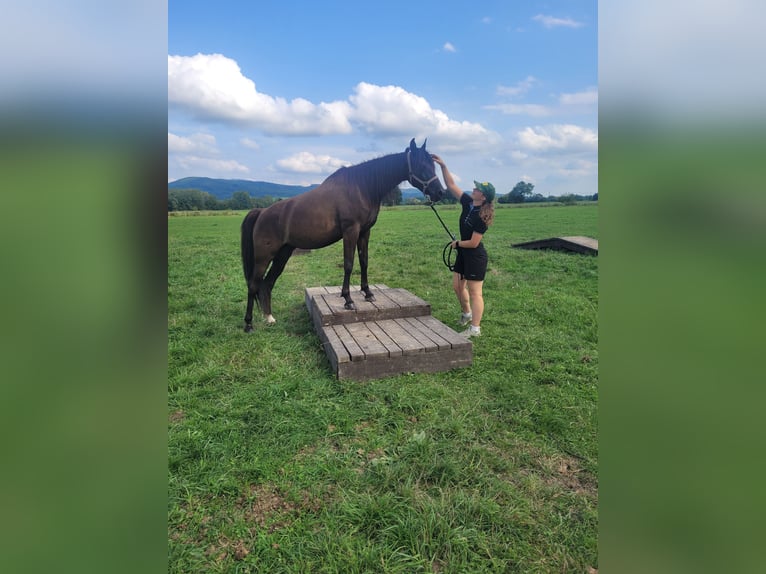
x,y
477,195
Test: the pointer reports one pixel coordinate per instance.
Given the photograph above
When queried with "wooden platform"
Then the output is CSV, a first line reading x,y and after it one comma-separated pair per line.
x,y
392,335
576,243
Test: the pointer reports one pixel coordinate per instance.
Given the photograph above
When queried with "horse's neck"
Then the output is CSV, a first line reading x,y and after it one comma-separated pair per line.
x,y
387,172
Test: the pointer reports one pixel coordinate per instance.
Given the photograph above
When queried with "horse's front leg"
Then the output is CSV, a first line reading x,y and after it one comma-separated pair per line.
x,y
350,238
362,247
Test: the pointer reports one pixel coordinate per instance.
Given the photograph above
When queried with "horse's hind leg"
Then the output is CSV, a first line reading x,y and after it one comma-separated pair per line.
x,y
362,247
249,312
277,266
255,287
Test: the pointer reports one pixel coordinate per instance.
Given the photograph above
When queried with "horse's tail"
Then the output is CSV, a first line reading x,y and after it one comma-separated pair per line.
x,y
248,249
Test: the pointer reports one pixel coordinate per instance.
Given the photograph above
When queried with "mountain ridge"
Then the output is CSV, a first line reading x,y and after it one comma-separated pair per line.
x,y
225,188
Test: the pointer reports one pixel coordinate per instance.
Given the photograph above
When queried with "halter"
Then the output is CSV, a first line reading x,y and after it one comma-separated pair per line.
x,y
412,176
447,252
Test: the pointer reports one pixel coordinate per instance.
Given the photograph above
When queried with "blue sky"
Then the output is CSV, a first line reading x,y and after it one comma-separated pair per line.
x,y
289,92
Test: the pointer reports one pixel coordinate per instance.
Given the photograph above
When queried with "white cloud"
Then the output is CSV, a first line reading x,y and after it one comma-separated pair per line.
x,y
558,138
579,102
521,87
553,22
196,143
213,87
486,20
305,162
534,110
251,144
577,168
393,110
586,98
215,167
449,47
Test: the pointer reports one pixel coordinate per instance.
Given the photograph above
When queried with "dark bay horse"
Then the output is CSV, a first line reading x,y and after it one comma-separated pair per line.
x,y
345,206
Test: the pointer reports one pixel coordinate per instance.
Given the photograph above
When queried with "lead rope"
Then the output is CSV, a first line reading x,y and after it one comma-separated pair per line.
x,y
446,255
447,251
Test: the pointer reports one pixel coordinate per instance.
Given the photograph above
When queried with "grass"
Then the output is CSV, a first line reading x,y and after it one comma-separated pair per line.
x,y
276,466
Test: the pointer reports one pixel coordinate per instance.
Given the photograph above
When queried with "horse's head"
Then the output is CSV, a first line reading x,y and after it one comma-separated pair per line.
x,y
422,171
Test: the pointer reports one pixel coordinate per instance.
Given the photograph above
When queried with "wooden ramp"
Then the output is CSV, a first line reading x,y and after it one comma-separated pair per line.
x,y
576,243
392,335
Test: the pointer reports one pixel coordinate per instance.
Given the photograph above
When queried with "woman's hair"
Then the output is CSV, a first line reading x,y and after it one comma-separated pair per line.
x,y
487,212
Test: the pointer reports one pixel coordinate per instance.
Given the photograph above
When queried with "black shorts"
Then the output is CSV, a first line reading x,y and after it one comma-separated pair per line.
x,y
471,264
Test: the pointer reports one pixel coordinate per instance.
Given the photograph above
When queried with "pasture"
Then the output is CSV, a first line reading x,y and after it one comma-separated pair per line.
x,y
275,466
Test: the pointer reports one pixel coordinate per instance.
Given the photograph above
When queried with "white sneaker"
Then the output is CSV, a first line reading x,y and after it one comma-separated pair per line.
x,y
471,332
465,319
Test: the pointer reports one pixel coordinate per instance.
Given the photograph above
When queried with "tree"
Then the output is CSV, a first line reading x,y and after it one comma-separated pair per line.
x,y
519,193
240,200
393,197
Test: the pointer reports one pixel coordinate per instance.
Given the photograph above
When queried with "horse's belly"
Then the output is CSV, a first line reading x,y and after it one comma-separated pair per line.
x,y
307,238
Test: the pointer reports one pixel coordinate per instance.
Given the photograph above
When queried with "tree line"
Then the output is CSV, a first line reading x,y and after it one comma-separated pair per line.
x,y
196,200
522,193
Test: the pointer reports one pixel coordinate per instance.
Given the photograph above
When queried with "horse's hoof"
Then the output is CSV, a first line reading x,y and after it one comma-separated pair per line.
x,y
248,328
270,320
350,306
369,297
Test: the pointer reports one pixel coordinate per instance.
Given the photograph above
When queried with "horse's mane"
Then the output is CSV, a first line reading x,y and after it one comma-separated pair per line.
x,y
378,176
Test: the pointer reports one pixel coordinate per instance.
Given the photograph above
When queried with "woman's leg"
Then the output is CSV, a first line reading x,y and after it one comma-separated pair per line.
x,y
459,285
477,301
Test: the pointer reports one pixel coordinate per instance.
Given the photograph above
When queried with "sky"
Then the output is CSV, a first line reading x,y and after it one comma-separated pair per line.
x,y
289,92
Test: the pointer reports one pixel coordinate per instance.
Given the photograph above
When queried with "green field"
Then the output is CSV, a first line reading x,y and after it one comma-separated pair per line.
x,y
276,466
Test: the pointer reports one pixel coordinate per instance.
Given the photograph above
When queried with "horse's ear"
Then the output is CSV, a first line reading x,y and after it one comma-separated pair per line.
x,y
413,147
424,144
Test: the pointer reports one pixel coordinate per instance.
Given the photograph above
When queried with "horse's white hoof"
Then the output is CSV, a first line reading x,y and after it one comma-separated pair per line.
x,y
270,320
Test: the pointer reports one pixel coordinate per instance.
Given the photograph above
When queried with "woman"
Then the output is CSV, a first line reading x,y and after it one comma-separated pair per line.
x,y
471,261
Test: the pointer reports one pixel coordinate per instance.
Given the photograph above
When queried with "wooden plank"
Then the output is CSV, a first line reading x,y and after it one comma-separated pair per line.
x,y
391,346
334,348
455,339
439,361
383,301
425,343
408,344
354,350
430,340
406,299
367,341
577,243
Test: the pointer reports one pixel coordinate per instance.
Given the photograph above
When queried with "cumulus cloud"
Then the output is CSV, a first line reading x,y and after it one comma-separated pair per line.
x,y
558,138
212,86
196,143
393,110
553,22
305,162
449,47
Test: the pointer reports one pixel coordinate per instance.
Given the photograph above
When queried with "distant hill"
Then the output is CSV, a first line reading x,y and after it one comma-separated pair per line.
x,y
225,188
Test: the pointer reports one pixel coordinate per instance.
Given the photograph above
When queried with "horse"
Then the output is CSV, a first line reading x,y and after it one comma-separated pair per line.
x,y
344,206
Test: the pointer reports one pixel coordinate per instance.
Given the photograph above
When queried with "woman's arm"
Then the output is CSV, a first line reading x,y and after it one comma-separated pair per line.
x,y
472,243
449,181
